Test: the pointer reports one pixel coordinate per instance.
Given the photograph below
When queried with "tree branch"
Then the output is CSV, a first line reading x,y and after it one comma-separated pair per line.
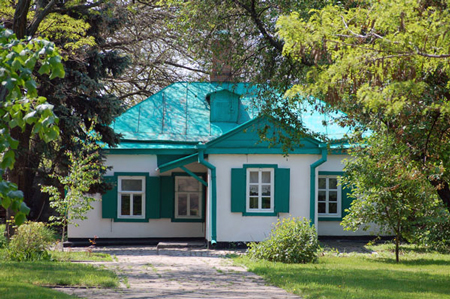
x,y
259,24
40,15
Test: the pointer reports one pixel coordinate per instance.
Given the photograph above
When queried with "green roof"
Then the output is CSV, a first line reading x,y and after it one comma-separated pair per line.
x,y
180,115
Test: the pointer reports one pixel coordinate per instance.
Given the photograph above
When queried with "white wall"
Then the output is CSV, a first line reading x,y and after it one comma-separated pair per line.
x,y
234,226
154,228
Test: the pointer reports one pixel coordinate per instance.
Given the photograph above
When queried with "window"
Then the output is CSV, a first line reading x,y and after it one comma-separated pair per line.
x,y
188,198
329,196
131,201
260,189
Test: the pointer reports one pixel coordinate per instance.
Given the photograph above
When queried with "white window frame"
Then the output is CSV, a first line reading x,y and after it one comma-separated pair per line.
x,y
260,196
327,197
188,193
131,193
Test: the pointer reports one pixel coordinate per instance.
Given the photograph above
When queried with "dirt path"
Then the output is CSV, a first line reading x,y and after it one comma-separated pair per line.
x,y
178,273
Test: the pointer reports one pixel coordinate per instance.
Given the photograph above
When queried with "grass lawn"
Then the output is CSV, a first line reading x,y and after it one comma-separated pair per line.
x,y
357,275
32,279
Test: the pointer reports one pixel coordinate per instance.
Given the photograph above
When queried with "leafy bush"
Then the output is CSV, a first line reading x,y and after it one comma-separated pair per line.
x,y
2,236
433,232
292,240
30,242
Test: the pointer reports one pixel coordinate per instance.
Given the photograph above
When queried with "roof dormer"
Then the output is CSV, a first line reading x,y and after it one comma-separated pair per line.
x,y
224,106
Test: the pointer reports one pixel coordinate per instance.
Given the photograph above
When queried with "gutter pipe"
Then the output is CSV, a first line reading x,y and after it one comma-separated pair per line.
x,y
201,160
312,199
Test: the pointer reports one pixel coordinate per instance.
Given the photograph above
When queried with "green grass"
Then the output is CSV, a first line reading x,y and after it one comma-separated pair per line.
x,y
32,279
418,275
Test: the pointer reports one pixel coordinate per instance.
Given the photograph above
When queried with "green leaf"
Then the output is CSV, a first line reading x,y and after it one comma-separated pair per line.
x,y
44,69
31,86
20,218
15,195
30,117
24,208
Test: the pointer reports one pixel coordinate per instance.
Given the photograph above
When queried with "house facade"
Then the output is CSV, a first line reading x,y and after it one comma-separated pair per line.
x,y
191,164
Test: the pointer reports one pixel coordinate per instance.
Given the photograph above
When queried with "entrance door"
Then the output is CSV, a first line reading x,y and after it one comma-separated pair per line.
x,y
188,198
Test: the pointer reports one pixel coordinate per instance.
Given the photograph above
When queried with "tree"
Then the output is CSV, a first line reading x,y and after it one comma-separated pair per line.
x,y
78,28
84,172
156,51
21,106
389,190
386,64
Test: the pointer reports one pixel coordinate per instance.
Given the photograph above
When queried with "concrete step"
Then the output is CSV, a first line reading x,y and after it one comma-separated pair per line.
x,y
179,245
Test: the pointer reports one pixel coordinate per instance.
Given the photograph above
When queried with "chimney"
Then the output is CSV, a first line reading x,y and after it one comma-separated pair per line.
x,y
221,57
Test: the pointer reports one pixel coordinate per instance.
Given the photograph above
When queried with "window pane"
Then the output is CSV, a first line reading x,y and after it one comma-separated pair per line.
x,y
333,183
332,195
182,204
137,205
125,205
254,177
322,207
194,205
322,195
333,208
322,183
131,185
254,190
253,202
265,190
187,184
266,202
266,177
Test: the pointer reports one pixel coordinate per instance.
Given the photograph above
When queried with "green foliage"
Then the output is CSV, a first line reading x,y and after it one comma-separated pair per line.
x,y
3,240
292,240
386,64
432,232
30,242
389,189
85,171
21,105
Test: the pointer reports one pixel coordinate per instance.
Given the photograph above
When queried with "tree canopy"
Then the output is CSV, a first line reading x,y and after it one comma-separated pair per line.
x,y
386,64
20,105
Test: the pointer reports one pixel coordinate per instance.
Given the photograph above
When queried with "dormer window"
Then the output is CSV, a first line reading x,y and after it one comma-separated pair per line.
x,y
224,106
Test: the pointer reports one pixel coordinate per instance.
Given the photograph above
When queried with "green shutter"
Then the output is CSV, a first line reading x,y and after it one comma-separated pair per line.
x,y
238,190
282,186
109,199
152,195
167,194
346,199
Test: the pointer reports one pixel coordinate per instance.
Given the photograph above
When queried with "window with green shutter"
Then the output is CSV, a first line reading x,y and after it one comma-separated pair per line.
x,y
260,190
135,197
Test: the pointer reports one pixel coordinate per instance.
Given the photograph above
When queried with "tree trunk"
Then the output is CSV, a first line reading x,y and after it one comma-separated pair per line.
x,y
20,18
397,245
443,191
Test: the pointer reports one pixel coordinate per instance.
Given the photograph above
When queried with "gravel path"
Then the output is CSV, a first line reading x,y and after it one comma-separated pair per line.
x,y
178,273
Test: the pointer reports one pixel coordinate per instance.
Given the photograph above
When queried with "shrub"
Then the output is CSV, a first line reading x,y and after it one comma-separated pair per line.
x,y
433,232
292,240
30,242
2,236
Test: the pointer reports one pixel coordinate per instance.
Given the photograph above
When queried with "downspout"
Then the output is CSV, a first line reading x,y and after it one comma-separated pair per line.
x,y
312,199
201,160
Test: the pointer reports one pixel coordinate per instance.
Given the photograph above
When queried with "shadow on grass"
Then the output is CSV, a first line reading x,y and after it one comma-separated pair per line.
x,y
318,281
57,273
415,262
16,290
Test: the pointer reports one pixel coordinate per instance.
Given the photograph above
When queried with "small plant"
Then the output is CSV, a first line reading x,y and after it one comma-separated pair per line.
x,y
2,236
30,242
292,240
85,171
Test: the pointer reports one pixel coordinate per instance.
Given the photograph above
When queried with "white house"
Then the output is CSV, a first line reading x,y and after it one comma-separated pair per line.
x,y
191,165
